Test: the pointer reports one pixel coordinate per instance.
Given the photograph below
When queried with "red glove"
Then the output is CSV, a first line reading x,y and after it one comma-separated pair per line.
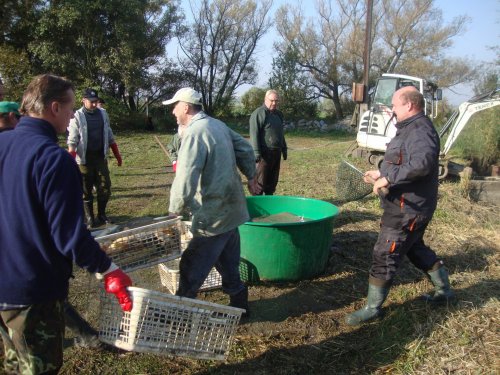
x,y
116,282
114,148
174,166
72,153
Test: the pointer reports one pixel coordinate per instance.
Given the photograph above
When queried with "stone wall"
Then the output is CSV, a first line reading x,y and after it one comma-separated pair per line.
x,y
320,125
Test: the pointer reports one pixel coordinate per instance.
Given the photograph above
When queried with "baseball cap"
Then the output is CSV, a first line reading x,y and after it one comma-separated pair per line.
x,y
7,107
90,94
186,94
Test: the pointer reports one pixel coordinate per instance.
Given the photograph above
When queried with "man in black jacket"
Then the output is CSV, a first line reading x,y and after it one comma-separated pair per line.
x,y
410,172
268,141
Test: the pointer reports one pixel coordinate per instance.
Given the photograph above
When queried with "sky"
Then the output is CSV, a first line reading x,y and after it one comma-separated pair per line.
x,y
482,31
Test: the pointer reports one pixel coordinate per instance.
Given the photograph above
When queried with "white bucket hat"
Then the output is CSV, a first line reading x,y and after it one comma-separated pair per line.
x,y
186,94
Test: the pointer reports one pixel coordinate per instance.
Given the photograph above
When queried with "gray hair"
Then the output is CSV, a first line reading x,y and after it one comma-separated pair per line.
x,y
269,92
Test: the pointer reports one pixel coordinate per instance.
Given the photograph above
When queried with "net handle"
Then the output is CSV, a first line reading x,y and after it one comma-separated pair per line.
x,y
382,192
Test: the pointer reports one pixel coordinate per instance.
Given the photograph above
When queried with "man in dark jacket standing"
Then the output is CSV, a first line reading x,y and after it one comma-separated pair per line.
x,y
410,172
42,231
267,137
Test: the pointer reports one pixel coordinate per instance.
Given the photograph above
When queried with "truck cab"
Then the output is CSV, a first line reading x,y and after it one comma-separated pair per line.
x,y
377,125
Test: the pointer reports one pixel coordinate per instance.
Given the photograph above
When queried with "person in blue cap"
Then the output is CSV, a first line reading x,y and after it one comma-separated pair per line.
x,y
89,139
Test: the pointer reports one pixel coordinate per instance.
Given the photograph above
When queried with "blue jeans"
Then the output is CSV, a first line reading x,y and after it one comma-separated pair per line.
x,y
203,253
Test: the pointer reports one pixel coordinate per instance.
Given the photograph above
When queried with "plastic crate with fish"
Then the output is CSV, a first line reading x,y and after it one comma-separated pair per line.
x,y
165,324
186,234
144,246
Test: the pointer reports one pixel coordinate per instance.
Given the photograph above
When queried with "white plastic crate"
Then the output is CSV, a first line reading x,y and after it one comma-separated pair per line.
x,y
169,271
165,324
144,246
186,234
169,276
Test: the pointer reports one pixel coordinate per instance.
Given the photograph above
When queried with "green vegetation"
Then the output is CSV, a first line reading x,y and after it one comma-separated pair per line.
x,y
479,141
298,327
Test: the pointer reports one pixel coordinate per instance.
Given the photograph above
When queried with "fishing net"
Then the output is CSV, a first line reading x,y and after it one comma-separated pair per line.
x,y
349,183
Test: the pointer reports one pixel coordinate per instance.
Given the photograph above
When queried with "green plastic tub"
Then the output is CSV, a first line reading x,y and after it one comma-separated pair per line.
x,y
286,251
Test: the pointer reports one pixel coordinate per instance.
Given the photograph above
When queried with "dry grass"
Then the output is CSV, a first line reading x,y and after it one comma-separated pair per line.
x,y
298,328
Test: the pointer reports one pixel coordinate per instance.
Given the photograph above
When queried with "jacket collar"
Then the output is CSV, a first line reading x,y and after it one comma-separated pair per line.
x,y
200,115
409,120
36,126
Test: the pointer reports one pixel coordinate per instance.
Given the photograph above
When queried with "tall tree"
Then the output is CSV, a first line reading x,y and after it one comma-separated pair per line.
x,y
408,36
297,98
252,99
220,47
15,71
102,43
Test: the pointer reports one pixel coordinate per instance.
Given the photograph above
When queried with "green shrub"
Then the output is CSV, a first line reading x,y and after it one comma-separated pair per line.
x,y
479,141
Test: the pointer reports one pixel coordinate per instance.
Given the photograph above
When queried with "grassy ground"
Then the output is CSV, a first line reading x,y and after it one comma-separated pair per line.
x,y
298,328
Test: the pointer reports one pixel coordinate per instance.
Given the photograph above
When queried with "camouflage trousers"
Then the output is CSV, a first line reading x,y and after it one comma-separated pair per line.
x,y
33,338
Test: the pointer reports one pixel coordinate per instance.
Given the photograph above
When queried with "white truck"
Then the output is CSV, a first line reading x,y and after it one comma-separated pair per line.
x,y
376,125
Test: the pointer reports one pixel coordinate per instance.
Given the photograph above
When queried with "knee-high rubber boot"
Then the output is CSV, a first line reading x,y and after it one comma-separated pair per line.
x,y
240,300
442,290
101,211
88,208
372,309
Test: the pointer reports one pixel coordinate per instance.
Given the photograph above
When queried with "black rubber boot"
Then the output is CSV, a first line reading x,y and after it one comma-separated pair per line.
x,y
88,207
442,290
240,300
101,212
372,309
87,337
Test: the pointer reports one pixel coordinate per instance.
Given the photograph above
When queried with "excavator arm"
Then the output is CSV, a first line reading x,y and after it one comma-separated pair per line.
x,y
461,117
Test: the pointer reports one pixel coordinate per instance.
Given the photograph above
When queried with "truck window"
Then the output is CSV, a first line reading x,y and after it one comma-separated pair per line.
x,y
384,91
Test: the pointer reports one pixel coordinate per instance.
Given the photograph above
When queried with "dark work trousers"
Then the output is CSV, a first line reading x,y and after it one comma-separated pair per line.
x,y
95,172
268,171
400,235
33,338
203,253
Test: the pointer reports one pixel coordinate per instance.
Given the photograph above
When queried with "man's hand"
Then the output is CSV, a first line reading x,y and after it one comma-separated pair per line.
x,y
116,282
371,176
254,187
380,186
116,152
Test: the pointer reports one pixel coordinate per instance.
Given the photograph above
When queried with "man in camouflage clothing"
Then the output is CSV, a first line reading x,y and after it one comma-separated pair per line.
x,y
42,231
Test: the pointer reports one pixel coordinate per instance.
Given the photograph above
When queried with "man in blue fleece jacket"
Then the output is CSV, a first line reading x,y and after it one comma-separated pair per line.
x,y
42,231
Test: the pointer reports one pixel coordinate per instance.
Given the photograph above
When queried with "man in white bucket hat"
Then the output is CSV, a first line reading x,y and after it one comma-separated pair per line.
x,y
207,183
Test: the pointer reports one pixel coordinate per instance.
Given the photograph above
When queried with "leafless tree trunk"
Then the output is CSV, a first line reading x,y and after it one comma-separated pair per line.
x,y
408,37
220,47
